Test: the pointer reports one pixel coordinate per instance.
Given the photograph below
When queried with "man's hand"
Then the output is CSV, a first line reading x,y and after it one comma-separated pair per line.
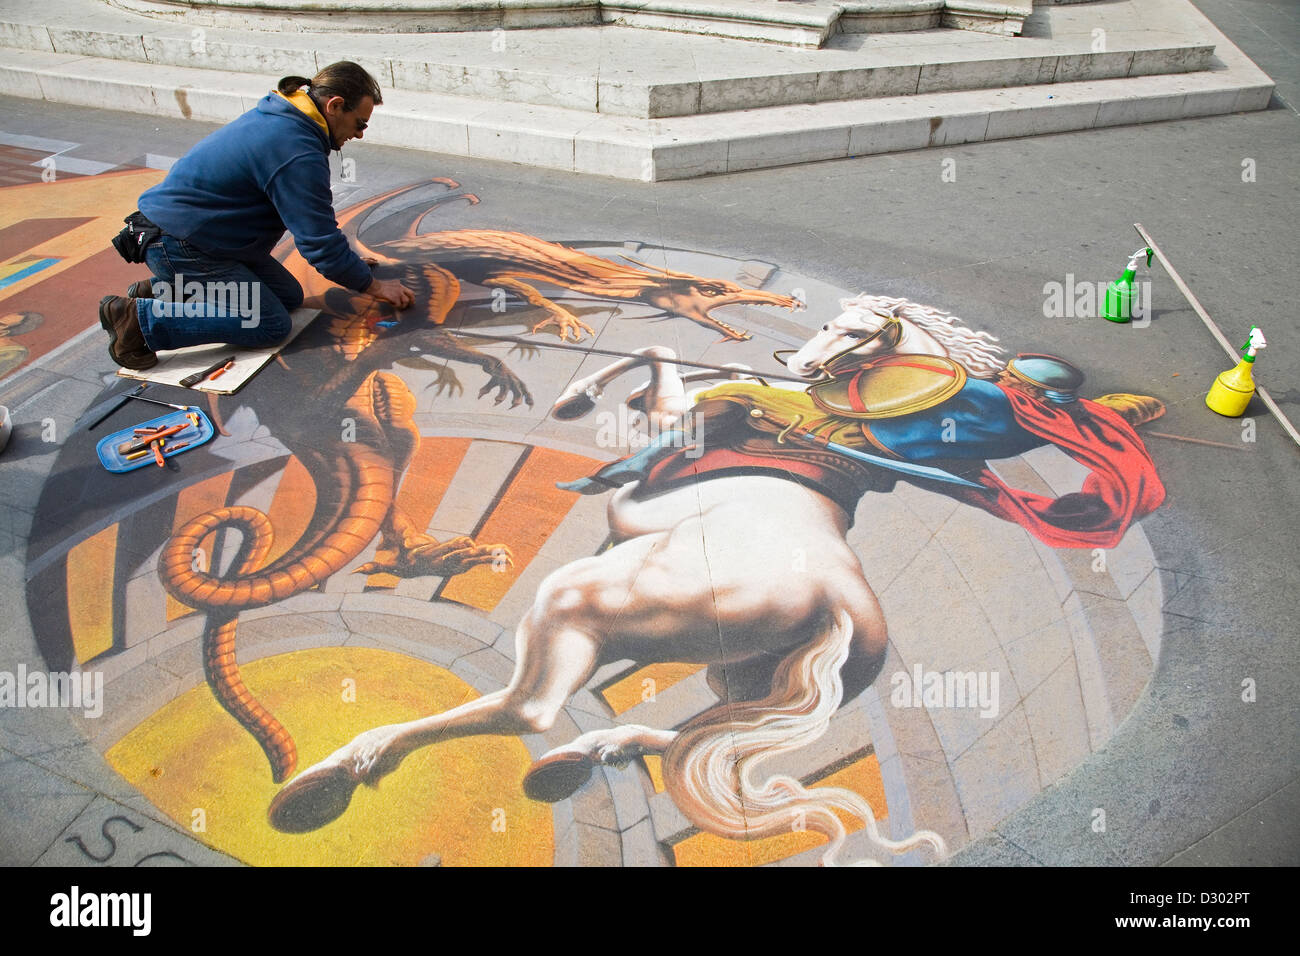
x,y
390,290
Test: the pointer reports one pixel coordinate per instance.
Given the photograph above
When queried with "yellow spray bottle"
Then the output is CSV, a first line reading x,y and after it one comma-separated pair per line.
x,y
1231,391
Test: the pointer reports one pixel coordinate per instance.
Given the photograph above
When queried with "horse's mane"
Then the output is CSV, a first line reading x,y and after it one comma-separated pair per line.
x,y
977,351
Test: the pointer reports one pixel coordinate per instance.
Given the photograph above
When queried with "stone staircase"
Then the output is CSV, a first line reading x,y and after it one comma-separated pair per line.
x,y
656,104
799,22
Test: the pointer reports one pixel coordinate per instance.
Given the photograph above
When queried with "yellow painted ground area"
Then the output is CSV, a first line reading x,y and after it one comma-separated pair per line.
x,y
655,768
459,799
525,514
642,684
705,849
90,594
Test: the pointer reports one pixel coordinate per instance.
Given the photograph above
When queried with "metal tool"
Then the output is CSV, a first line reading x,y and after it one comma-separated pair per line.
x,y
154,401
191,380
1219,337
96,415
107,407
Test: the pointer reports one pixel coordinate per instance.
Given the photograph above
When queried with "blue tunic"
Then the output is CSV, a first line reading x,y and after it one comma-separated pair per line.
x,y
976,423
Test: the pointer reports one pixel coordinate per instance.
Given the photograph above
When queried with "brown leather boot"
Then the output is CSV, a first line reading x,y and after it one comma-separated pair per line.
x,y
125,340
140,290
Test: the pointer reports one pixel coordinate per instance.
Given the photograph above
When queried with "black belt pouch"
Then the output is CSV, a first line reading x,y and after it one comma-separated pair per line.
x,y
138,235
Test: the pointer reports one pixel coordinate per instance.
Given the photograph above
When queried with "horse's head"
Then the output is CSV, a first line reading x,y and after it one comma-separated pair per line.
x,y
853,335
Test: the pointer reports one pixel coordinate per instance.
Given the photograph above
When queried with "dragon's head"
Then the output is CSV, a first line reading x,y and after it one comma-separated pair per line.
x,y
695,298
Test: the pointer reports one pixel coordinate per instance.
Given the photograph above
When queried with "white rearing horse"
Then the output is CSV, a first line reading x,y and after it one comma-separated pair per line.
x,y
697,573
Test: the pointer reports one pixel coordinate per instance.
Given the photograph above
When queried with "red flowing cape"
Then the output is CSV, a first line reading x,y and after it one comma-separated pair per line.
x,y
1122,488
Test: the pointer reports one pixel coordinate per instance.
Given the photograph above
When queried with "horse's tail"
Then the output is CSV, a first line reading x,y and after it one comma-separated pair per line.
x,y
712,766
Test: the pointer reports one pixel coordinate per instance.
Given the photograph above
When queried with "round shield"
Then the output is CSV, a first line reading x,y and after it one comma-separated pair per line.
x,y
891,386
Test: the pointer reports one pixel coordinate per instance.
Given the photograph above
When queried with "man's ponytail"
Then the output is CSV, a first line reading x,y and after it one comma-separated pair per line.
x,y
344,79
292,84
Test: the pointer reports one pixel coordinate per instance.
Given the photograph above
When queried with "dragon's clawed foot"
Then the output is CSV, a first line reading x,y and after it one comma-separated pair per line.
x,y
445,380
419,555
507,385
567,324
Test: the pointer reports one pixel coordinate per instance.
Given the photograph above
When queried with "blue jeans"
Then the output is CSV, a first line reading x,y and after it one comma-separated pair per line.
x,y
240,302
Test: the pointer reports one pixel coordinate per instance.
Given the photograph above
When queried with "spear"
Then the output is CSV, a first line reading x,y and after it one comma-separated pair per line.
x,y
591,350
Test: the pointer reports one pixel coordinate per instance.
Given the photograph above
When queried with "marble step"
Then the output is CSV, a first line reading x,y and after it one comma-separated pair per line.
x,y
676,148
632,73
803,23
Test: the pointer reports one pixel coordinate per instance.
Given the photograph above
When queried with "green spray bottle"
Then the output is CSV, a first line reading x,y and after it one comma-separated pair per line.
x,y
1117,306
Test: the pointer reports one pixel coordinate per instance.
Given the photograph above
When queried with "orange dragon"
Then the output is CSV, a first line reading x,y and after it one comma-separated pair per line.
x,y
356,480
435,264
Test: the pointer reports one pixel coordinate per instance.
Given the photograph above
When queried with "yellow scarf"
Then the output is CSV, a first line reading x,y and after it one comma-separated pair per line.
x,y
305,103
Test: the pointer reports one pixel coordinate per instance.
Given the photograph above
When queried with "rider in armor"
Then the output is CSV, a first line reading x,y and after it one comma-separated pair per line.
x,y
918,409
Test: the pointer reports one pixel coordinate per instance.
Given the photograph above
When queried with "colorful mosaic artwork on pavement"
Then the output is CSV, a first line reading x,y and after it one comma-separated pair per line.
x,y
55,226
606,552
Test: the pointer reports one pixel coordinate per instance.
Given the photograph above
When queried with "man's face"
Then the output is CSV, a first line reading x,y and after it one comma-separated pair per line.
x,y
347,124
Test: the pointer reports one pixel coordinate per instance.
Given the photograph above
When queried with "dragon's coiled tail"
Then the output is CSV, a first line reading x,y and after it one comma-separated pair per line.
x,y
362,494
711,767
219,665
366,493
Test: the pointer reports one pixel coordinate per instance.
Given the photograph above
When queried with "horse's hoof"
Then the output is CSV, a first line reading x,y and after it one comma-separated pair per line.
x,y
553,778
316,797
566,410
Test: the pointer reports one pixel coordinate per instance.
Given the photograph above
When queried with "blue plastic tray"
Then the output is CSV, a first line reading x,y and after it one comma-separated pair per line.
x,y
113,461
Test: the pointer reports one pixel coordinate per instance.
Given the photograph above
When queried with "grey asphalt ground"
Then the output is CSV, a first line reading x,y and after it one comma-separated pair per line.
x,y
1195,775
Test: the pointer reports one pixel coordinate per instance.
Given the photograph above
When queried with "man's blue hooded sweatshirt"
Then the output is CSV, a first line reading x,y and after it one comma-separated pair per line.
x,y
235,193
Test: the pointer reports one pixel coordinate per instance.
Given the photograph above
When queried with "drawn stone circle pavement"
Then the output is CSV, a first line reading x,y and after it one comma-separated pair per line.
x,y
1071,633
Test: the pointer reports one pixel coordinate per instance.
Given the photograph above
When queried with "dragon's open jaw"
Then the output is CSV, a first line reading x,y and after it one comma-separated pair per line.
x,y
747,297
